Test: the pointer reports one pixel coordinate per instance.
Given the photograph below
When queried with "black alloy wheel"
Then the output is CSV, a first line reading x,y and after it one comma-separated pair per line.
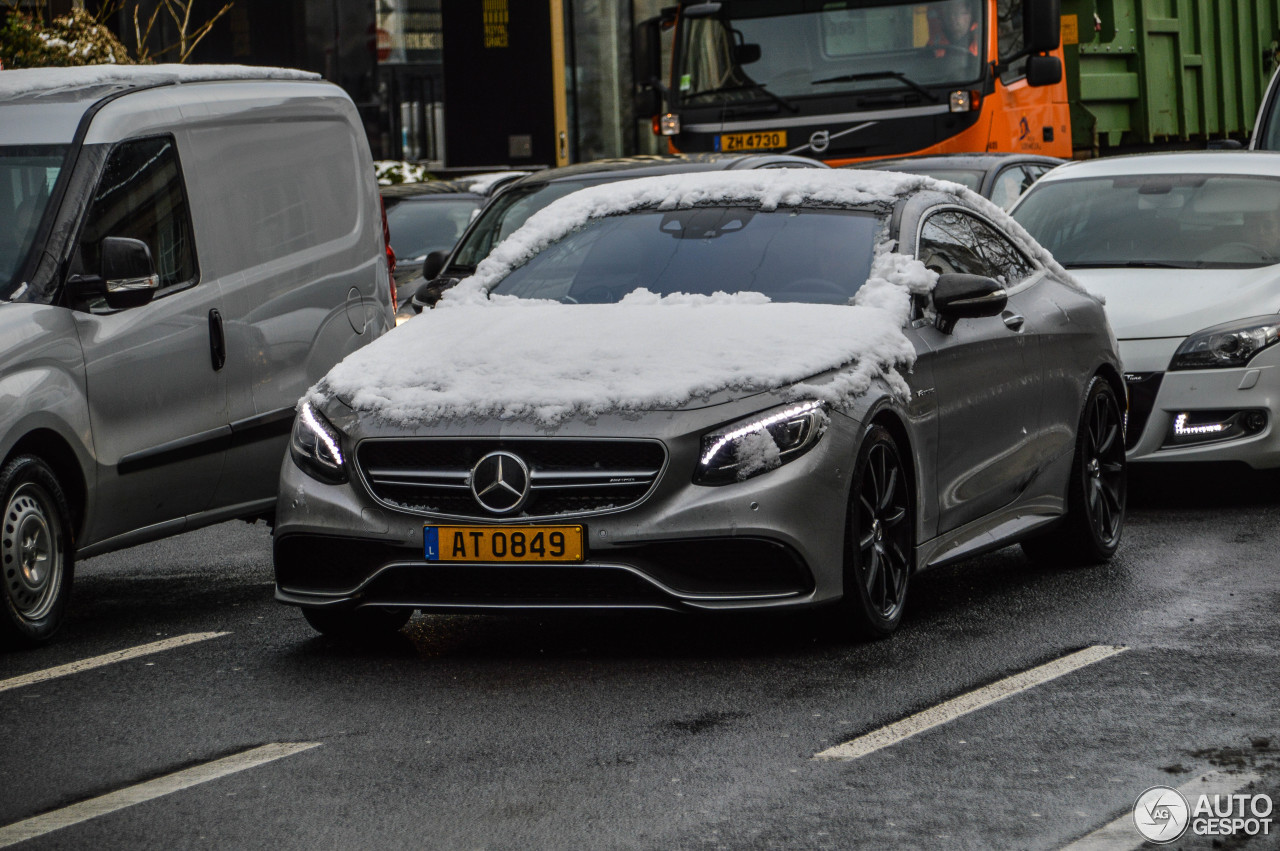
x,y
879,536
36,552
1097,494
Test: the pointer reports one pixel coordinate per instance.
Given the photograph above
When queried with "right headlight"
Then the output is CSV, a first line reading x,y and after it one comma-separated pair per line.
x,y
1228,345
316,446
759,443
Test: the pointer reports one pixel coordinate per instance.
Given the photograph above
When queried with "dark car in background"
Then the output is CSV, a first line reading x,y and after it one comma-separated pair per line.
x,y
431,215
1002,178
520,199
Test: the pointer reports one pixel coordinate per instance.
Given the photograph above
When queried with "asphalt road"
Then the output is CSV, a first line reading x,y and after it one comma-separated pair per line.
x,y
659,732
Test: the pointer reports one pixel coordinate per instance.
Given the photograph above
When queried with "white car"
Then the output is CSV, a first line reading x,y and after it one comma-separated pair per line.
x,y
1185,248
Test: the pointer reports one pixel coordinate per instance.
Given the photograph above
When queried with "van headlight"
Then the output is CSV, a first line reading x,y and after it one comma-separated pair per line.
x,y
760,443
316,446
1227,345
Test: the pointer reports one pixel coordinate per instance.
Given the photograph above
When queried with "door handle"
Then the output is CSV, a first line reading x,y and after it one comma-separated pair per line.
x,y
1013,320
217,340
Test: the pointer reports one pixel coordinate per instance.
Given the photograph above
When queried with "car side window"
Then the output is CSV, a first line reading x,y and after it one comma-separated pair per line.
x,y
141,196
952,241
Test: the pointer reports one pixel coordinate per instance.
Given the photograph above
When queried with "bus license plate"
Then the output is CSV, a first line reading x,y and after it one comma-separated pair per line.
x,y
502,543
730,142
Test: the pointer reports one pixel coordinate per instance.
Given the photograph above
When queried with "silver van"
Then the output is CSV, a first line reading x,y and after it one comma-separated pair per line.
x,y
183,252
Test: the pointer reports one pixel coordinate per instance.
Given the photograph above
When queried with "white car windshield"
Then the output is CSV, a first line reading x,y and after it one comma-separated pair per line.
x,y
1191,221
810,255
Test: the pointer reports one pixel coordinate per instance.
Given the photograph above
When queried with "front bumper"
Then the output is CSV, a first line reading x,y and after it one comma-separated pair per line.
x,y
772,541
1205,396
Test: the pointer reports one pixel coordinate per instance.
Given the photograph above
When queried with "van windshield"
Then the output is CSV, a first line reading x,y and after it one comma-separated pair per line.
x,y
27,176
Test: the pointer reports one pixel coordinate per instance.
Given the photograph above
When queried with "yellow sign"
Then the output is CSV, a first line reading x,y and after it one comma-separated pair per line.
x,y
730,142
496,18
1070,30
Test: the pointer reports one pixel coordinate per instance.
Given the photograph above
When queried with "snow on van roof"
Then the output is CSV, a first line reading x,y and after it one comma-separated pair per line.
x,y
25,81
766,188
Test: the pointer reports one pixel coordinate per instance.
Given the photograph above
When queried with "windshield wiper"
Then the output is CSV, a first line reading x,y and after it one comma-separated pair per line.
x,y
880,75
754,87
1130,264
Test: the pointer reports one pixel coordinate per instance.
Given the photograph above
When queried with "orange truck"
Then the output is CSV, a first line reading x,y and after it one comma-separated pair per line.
x,y
849,80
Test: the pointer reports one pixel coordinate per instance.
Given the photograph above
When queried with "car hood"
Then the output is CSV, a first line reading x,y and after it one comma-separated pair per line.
x,y
543,361
1150,303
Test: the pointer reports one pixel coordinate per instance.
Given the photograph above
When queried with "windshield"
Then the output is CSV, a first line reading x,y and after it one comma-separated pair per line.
x,y
806,47
807,255
419,227
505,214
27,176
1193,221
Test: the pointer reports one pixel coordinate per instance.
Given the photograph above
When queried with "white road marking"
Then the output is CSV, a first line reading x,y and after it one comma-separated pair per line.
x,y
1122,834
107,659
127,797
966,703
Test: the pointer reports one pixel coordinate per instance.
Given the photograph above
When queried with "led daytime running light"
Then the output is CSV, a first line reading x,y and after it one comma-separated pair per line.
x,y
757,426
1180,427
322,434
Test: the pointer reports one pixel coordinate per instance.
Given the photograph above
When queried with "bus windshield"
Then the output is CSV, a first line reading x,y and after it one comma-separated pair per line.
x,y
753,50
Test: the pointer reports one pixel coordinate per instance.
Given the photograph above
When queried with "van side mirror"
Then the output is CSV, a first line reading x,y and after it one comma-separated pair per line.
x,y
1044,70
1041,25
957,296
128,275
434,263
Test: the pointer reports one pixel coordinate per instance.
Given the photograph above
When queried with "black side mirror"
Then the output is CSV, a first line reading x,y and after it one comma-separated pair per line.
x,y
1041,25
434,263
646,64
1044,71
745,54
957,296
128,277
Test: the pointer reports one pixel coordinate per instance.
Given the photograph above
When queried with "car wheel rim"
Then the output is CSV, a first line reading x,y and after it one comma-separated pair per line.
x,y
883,532
1104,480
30,553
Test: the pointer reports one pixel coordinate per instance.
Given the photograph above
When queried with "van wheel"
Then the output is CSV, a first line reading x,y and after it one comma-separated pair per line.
x,y
371,622
1097,493
879,538
36,554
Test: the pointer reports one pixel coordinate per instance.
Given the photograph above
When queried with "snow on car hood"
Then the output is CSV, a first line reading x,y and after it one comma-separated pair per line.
x,y
543,361
1151,303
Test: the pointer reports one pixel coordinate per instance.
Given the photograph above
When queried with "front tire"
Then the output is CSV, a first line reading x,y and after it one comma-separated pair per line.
x,y
36,552
1098,491
879,538
368,623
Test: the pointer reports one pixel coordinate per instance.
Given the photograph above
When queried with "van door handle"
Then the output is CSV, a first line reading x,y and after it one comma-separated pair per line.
x,y
217,340
1013,320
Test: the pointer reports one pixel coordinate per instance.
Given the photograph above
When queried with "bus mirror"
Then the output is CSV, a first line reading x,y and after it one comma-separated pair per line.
x,y
745,54
1044,70
1041,25
646,50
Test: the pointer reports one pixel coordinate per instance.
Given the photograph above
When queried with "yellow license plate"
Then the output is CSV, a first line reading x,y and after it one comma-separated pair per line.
x,y
730,142
502,543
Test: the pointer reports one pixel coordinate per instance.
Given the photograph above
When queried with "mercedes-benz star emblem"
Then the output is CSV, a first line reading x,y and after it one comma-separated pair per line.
x,y
500,482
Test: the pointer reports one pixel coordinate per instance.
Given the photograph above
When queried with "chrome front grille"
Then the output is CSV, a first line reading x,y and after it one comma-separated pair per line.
x,y
567,476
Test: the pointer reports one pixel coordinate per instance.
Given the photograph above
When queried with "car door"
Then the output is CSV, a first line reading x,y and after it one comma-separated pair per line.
x,y
987,375
157,395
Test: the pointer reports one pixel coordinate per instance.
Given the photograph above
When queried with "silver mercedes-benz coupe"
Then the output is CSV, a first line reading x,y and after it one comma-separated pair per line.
x,y
706,392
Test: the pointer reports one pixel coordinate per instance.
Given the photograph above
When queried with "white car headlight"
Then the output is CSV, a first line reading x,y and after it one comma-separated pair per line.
x,y
760,443
1227,345
316,446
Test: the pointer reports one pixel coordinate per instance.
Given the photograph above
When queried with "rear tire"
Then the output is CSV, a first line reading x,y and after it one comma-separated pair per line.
x,y
879,538
1098,491
36,552
370,622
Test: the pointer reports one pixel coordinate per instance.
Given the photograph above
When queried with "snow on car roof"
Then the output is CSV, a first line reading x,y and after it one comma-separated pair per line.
x,y
766,188
26,81
506,357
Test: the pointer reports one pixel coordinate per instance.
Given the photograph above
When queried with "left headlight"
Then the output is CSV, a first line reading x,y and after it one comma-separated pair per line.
x,y
1228,345
316,446
760,443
